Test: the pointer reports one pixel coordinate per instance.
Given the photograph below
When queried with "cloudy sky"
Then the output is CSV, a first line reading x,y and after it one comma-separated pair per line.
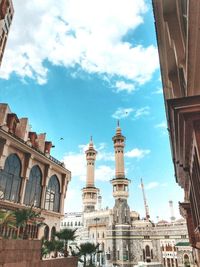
x,y
74,68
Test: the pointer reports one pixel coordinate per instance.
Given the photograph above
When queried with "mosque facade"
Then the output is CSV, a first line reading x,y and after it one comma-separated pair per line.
x,y
126,240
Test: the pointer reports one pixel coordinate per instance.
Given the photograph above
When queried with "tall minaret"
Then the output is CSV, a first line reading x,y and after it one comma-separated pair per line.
x,y
121,244
90,192
120,182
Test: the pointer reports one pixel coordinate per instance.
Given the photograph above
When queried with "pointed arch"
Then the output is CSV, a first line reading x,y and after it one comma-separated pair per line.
x,y
10,179
34,187
52,198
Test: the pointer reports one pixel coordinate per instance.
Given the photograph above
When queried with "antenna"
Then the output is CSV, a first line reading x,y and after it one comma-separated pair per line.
x,y
145,202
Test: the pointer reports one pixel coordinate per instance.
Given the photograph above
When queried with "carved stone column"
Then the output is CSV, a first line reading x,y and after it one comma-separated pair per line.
x,y
25,176
44,185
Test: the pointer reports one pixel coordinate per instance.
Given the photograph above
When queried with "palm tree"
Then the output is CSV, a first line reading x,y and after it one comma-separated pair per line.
x,y
52,246
84,250
7,220
23,216
66,235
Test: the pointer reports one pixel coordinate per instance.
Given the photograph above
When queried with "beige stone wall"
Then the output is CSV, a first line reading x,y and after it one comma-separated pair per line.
x,y
26,253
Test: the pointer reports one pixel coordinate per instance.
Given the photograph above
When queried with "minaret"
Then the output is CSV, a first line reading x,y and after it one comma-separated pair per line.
x,y
145,202
90,191
171,206
120,182
121,244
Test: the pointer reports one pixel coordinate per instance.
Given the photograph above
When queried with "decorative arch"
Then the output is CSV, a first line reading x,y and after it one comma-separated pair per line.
x,y
52,198
10,179
34,187
53,232
46,232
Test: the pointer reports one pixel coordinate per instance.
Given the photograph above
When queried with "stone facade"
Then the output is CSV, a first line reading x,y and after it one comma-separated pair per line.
x,y
124,239
6,16
177,23
29,175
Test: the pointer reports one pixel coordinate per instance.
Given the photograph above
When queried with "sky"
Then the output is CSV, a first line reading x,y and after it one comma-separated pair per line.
x,y
74,68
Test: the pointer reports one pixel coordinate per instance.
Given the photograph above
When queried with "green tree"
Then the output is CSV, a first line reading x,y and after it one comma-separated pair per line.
x,y
66,235
52,246
84,250
7,220
23,217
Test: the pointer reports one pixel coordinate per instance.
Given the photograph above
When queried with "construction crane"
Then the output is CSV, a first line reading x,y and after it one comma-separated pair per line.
x,y
145,202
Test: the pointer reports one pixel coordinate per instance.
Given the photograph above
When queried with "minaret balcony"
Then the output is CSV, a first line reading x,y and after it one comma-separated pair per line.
x,y
121,194
89,201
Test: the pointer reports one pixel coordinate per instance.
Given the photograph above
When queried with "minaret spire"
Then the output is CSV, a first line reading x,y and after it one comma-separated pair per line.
x,y
90,191
145,201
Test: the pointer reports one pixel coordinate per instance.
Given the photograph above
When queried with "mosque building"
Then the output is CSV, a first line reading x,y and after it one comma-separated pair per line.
x,y
125,239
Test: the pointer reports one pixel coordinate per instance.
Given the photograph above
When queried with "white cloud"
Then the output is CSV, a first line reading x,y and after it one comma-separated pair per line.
x,y
151,185
122,113
104,173
73,200
123,86
76,163
137,153
162,125
88,34
158,91
144,111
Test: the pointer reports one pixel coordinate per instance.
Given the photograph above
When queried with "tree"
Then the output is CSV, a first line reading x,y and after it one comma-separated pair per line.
x,y
7,220
52,246
84,250
66,235
23,217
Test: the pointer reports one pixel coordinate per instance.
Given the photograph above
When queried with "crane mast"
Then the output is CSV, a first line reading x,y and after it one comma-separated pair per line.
x,y
145,202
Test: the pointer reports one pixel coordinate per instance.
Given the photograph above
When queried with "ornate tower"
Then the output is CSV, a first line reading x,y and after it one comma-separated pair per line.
x,y
121,254
90,191
120,182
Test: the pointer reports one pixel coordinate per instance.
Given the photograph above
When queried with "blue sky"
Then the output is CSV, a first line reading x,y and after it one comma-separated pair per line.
x,y
75,67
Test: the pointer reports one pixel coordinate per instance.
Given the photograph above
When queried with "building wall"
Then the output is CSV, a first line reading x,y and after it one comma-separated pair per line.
x,y
26,253
6,16
16,139
178,44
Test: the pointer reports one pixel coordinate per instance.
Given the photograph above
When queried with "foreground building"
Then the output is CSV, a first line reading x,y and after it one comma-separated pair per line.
x,y
126,240
177,25
6,16
29,175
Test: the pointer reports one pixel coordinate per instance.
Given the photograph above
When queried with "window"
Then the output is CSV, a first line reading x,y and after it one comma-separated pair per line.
x,y
10,180
46,232
34,188
53,232
52,200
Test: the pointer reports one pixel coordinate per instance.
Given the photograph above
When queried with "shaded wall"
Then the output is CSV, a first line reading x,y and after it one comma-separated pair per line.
x,y
26,253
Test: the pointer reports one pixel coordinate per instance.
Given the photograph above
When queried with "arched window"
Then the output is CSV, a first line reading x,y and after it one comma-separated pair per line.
x,y
53,232
10,180
147,251
52,200
34,188
46,232
79,223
